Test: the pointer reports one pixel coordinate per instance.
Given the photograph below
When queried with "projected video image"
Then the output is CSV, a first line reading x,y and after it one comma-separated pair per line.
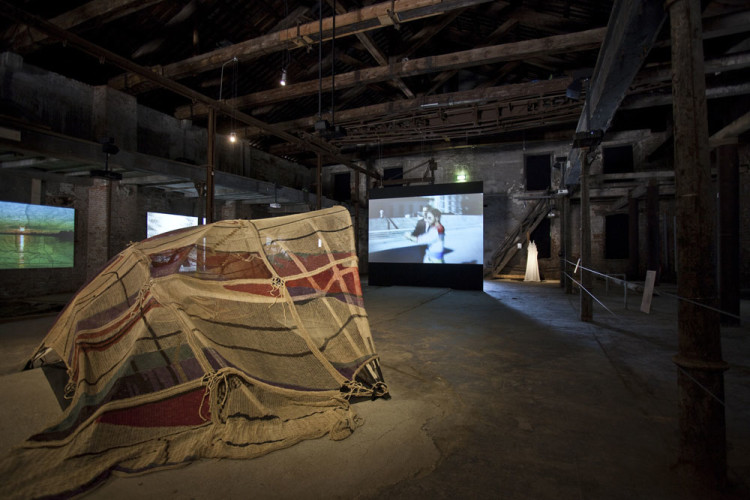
x,y
432,229
36,236
159,223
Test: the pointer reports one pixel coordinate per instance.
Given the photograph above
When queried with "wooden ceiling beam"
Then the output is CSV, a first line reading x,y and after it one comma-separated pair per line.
x,y
730,133
365,19
580,41
501,30
428,104
22,36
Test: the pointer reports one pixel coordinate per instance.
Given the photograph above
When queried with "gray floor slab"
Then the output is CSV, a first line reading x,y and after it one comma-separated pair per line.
x,y
496,394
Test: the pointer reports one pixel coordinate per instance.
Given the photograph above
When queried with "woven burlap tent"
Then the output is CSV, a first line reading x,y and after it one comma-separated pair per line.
x,y
232,339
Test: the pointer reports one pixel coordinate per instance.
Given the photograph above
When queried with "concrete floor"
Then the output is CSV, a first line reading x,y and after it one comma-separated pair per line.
x,y
496,394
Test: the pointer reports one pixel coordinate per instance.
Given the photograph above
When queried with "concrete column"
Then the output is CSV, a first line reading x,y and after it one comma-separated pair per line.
x,y
729,231
699,362
587,305
36,192
97,236
229,210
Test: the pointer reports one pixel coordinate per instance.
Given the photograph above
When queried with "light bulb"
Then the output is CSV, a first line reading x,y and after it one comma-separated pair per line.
x,y
283,77
233,137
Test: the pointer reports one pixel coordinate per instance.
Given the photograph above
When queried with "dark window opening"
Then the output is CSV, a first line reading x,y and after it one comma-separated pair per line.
x,y
540,236
342,190
617,159
538,173
393,174
616,237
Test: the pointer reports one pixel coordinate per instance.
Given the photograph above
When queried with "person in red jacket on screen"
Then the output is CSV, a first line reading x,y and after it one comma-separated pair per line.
x,y
434,237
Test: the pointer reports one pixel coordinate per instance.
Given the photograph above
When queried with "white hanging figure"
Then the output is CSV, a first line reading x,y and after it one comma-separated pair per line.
x,y
532,266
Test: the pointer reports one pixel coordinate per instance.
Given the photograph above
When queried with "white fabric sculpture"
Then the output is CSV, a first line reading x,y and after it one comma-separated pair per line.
x,y
532,266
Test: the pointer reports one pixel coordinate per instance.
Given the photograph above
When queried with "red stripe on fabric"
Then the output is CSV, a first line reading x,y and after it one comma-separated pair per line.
x,y
254,288
182,410
82,346
353,285
334,280
150,304
287,267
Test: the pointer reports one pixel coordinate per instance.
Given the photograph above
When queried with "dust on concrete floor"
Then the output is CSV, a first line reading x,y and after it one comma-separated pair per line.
x,y
496,394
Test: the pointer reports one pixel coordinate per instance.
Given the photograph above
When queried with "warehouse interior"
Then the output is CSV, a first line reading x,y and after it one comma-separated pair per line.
x,y
614,134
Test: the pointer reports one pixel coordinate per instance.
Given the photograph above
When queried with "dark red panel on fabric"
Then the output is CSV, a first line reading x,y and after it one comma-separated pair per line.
x,y
182,410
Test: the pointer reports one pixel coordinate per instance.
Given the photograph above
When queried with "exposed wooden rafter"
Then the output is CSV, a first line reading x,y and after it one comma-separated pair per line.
x,y
350,23
584,40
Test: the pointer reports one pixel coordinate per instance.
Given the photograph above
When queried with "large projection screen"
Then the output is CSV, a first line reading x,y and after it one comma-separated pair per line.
x,y
427,236
36,236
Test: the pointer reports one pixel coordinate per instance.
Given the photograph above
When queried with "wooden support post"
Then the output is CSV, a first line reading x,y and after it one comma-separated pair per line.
x,y
634,263
652,228
729,231
567,242
587,304
319,183
699,361
356,212
211,154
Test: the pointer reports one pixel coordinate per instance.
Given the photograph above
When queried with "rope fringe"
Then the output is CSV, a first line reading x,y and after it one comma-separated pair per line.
x,y
217,392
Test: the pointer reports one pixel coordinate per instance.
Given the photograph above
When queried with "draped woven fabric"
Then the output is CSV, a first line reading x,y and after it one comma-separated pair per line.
x,y
232,339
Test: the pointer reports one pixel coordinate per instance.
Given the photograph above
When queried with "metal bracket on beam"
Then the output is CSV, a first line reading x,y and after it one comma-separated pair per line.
x,y
394,19
303,41
391,18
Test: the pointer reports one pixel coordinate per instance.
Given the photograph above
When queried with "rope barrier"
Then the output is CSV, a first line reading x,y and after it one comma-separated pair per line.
x,y
661,292
703,305
708,391
607,277
591,294
702,386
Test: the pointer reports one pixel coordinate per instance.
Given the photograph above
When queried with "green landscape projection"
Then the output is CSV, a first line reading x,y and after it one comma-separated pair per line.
x,y
35,236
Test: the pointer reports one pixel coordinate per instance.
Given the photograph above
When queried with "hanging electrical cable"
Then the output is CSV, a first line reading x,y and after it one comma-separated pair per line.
x,y
285,57
320,60
333,65
235,78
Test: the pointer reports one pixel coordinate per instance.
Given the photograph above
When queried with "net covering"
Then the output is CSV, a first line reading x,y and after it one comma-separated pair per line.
x,y
232,340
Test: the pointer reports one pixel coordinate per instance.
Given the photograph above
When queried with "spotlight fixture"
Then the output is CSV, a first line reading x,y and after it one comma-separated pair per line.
x,y
282,82
233,137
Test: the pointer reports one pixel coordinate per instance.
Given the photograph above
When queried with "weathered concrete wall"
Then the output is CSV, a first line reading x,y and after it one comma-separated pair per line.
x,y
91,113
62,104
167,137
